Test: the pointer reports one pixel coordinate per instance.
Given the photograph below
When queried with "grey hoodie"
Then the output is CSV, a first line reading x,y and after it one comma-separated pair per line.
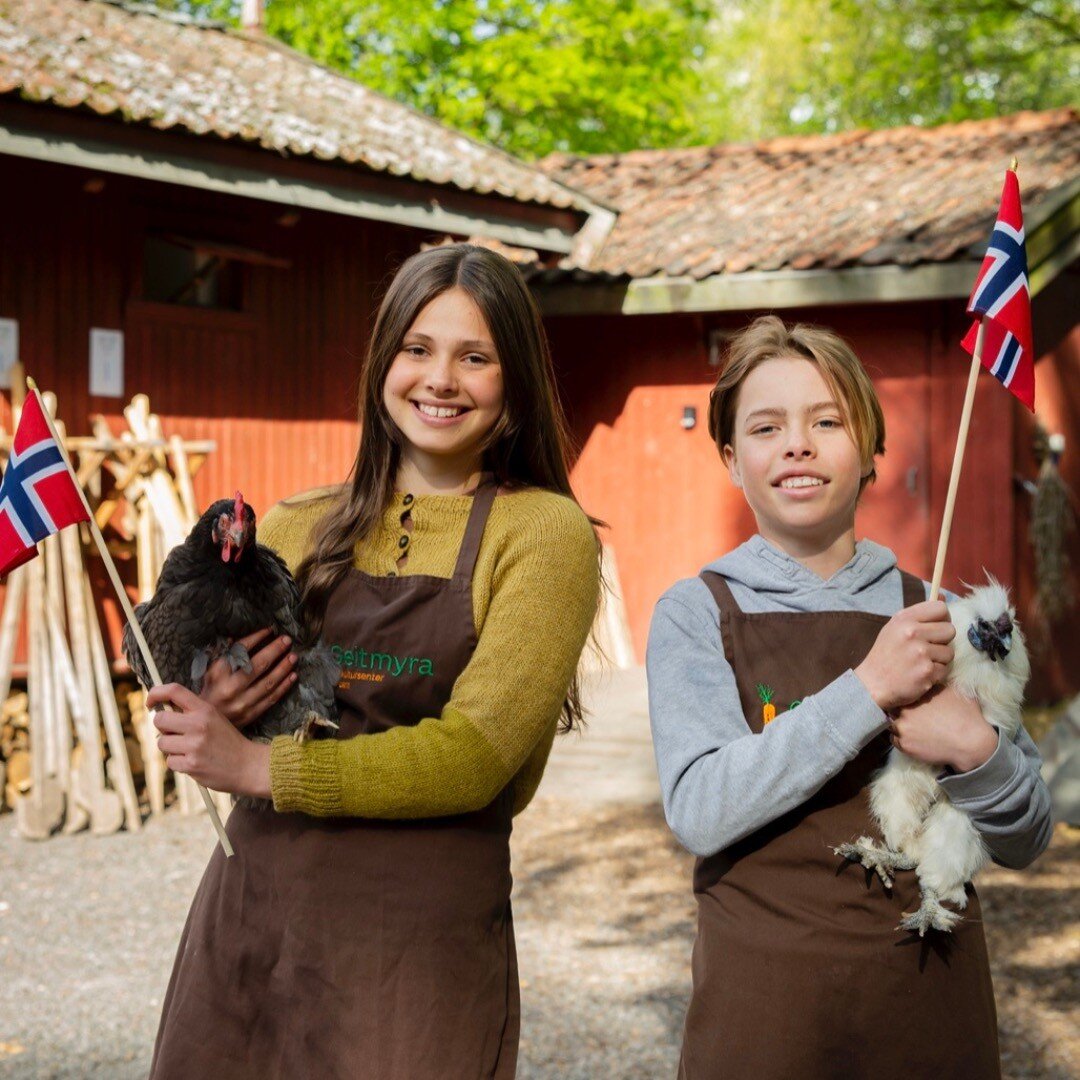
x,y
720,782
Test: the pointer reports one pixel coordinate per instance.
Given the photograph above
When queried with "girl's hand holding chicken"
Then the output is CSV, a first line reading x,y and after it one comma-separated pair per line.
x,y
241,696
196,739
201,736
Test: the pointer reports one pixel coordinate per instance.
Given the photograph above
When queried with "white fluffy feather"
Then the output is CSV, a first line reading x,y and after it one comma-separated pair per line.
x,y
921,828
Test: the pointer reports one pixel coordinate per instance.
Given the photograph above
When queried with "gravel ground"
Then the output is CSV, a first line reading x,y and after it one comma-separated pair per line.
x,y
88,927
604,916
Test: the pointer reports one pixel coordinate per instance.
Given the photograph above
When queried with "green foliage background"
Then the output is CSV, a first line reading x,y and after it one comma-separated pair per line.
x,y
594,76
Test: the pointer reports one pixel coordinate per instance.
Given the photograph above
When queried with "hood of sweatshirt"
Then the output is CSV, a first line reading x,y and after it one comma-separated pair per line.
x,y
765,568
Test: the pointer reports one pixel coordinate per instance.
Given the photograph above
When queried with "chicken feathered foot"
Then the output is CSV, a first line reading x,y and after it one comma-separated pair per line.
x,y
932,915
238,657
311,721
882,860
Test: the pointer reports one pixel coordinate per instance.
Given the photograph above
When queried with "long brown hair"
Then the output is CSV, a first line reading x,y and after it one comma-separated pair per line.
x,y
527,446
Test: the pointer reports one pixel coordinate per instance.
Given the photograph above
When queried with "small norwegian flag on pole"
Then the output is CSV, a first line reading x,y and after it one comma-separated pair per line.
x,y
1002,300
999,340
38,496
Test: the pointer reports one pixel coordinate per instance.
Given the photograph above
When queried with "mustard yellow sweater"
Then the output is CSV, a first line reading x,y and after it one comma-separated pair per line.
x,y
535,592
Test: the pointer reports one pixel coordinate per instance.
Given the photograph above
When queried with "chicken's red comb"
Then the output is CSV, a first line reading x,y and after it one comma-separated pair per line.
x,y
238,508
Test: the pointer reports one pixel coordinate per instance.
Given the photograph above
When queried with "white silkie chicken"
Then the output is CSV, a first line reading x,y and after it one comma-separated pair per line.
x,y
921,828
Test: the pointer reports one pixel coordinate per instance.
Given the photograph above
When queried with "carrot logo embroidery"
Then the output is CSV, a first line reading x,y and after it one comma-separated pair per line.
x,y
768,709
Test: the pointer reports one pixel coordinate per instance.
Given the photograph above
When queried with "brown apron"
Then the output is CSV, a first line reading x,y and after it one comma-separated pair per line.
x,y
799,970
347,947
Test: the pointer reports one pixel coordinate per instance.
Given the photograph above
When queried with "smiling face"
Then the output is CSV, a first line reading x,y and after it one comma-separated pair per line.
x,y
793,456
444,391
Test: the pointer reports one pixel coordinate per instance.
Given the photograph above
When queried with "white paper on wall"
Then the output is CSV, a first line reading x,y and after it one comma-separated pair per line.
x,y
9,349
106,363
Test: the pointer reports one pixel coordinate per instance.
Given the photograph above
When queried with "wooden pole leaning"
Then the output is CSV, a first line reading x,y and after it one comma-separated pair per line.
x,y
125,603
79,630
958,461
153,759
40,812
55,630
9,625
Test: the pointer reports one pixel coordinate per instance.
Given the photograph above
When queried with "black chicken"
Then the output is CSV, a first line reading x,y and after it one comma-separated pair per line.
x,y
220,585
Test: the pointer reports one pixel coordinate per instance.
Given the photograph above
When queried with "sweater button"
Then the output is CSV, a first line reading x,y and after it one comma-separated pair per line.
x,y
407,501
403,542
392,573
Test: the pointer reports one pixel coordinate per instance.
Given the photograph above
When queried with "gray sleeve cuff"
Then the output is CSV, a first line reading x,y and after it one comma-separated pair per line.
x,y
982,784
1008,802
851,715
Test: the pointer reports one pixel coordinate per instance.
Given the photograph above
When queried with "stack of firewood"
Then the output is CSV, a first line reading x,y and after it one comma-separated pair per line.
x,y
76,749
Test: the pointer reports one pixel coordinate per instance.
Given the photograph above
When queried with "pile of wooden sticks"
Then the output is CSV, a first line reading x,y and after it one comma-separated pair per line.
x,y
73,743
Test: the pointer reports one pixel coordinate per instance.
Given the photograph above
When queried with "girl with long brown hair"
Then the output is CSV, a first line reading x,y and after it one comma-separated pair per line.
x,y
363,928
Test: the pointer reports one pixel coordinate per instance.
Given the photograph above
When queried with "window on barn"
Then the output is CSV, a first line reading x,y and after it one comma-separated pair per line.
x,y
718,341
191,273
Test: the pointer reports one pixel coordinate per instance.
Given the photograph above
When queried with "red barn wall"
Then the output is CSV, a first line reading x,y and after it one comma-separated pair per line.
x,y
273,385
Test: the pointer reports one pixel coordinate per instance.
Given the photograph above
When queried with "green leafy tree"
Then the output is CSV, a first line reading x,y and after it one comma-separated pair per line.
x,y
789,66
531,76
225,11
596,76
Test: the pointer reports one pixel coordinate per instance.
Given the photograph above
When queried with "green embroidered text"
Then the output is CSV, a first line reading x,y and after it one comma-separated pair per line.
x,y
368,660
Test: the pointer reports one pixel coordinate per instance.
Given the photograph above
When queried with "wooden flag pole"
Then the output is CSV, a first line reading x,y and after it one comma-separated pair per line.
x,y
958,461
125,603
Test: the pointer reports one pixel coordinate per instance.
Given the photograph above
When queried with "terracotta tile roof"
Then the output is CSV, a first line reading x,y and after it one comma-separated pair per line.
x,y
168,72
900,196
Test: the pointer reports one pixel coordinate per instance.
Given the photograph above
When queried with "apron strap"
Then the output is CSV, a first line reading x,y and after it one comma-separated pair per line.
x,y
725,601
914,589
914,592
720,589
474,528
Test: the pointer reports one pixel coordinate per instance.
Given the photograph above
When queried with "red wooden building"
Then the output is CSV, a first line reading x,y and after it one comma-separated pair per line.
x,y
876,234
234,210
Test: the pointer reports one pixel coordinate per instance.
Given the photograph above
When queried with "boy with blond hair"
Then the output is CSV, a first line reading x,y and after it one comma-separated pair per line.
x,y
777,680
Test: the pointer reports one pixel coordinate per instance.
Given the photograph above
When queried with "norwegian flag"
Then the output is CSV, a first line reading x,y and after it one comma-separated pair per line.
x,y
1003,299
38,496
